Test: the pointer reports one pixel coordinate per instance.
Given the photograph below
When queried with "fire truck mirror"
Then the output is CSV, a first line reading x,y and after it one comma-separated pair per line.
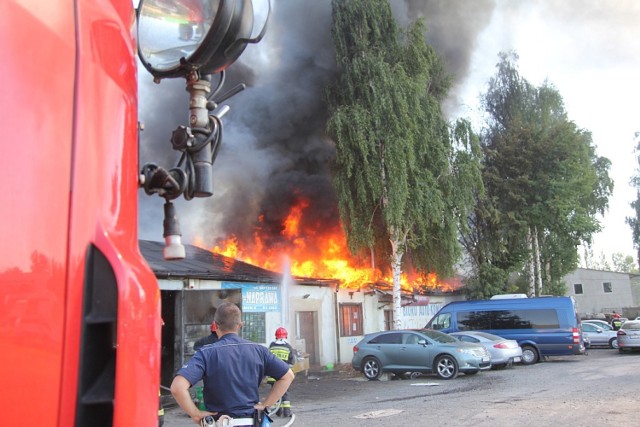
x,y
178,37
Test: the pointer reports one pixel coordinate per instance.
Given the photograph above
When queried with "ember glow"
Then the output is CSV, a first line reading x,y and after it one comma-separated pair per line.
x,y
312,251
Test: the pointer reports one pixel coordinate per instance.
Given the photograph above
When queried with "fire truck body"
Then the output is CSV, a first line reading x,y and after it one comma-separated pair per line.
x,y
79,308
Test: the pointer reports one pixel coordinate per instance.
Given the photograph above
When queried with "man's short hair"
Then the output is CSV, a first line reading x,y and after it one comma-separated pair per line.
x,y
228,316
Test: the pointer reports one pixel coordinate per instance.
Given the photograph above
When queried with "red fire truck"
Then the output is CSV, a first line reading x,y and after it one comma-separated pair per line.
x,y
79,307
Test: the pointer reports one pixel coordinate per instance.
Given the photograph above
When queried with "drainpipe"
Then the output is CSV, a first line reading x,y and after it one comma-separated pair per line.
x,y
335,300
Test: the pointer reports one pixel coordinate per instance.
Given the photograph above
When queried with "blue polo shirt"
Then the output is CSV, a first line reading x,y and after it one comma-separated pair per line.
x,y
232,370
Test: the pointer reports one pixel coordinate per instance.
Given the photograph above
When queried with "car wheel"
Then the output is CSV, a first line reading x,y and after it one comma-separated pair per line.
x,y
613,343
446,367
371,368
529,355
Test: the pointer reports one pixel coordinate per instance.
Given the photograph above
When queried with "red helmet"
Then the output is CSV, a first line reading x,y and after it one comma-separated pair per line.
x,y
213,326
281,333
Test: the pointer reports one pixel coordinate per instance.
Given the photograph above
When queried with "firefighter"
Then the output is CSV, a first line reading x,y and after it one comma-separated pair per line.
x,y
283,351
616,321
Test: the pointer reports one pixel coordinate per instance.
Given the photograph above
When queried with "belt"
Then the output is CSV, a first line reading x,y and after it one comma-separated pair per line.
x,y
235,422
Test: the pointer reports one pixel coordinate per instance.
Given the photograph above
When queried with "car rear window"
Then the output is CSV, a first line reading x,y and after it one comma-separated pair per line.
x,y
490,337
631,326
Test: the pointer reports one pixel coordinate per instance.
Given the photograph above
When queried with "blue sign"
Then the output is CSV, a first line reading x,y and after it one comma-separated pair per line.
x,y
257,297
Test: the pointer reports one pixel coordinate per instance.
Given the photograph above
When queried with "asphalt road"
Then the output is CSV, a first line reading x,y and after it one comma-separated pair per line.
x,y
599,389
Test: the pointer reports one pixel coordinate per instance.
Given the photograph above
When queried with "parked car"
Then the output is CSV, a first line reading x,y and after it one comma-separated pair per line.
x,y
503,352
418,350
599,336
602,323
629,336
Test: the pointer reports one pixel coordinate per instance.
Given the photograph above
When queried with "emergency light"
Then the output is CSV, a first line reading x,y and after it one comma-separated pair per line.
x,y
177,37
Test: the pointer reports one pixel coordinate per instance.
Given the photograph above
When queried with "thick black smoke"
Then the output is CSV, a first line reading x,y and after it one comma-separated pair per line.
x,y
275,150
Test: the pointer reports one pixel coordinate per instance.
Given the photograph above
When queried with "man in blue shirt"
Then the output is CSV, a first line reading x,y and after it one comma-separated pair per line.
x,y
231,370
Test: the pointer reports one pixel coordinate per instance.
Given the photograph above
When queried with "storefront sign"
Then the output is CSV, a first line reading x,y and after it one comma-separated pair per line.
x,y
257,297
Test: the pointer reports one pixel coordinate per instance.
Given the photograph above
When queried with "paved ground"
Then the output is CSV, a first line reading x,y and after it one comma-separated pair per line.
x,y
599,389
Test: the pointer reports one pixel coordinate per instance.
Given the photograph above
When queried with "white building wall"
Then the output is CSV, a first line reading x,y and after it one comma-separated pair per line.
x,y
318,299
417,316
594,299
369,321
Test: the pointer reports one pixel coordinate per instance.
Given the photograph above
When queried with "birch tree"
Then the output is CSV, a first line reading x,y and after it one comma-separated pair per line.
x,y
404,176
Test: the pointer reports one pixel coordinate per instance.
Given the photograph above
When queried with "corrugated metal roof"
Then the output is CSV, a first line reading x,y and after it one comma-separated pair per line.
x,y
203,264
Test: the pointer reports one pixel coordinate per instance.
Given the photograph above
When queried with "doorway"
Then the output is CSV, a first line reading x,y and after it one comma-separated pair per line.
x,y
306,324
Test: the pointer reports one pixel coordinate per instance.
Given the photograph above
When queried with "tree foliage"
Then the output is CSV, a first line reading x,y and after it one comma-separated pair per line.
x,y
616,262
634,222
544,184
403,177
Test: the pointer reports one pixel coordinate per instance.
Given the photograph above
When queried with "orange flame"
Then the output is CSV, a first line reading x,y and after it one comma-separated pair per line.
x,y
319,253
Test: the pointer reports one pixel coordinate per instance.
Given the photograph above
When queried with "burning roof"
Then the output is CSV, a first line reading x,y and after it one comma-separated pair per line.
x,y
200,263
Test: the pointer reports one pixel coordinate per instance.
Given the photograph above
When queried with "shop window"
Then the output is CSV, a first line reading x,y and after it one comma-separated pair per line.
x,y
577,289
193,333
253,327
199,311
350,320
607,287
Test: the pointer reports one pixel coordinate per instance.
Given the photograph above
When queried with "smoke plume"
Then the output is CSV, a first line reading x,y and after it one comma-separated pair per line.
x,y
274,151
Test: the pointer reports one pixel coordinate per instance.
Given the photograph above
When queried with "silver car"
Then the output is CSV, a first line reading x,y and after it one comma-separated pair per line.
x,y
503,352
629,336
417,350
599,336
603,324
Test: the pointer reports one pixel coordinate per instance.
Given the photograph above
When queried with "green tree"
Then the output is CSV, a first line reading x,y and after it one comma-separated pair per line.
x,y
544,183
617,262
634,222
623,263
403,176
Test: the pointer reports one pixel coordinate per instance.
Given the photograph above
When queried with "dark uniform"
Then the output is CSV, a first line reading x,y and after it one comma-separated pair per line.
x,y
283,351
209,339
232,370
616,322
